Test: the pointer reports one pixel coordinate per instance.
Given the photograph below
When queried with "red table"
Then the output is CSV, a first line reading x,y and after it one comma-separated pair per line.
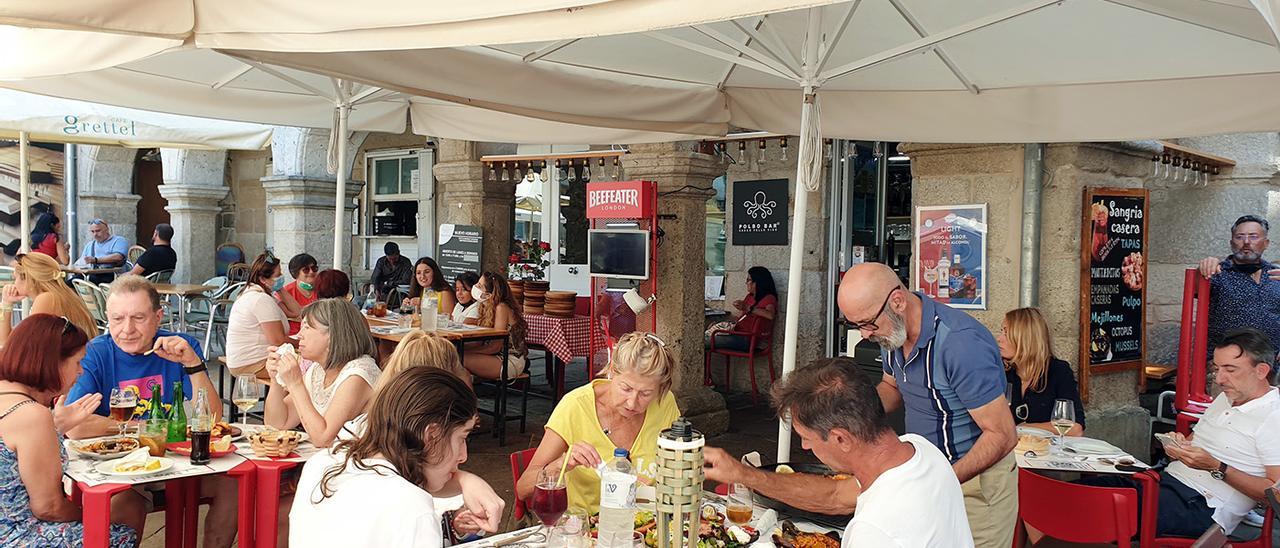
x,y
563,338
268,474
181,508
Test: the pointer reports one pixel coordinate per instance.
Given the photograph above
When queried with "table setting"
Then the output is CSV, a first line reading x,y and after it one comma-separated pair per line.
x,y
1035,451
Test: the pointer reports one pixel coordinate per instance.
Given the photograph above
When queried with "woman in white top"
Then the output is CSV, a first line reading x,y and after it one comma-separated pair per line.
x,y
379,489
257,322
498,310
337,387
467,310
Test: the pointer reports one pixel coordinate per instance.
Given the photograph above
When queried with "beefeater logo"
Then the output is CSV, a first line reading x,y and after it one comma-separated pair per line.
x,y
614,198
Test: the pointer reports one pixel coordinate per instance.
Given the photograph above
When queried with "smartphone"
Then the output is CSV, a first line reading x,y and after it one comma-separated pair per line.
x,y
1168,440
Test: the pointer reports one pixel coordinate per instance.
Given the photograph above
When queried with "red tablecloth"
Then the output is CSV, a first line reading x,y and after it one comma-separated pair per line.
x,y
566,338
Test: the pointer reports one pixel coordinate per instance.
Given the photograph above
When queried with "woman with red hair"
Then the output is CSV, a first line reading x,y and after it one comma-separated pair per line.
x,y
39,364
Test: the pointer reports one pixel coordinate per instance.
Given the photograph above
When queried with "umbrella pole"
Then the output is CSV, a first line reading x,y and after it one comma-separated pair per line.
x,y
24,191
340,207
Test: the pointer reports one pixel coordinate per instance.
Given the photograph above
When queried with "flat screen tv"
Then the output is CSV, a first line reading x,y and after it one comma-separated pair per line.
x,y
615,253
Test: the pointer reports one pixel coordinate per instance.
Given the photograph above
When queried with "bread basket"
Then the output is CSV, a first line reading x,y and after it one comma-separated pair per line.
x,y
274,443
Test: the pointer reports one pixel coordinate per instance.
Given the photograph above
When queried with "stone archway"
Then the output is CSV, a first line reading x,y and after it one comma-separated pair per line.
x,y
106,189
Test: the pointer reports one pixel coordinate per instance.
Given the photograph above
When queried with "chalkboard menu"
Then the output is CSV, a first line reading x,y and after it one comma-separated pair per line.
x,y
460,247
1113,280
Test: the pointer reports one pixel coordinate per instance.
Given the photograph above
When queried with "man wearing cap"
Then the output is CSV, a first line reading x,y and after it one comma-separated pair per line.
x,y
391,270
104,250
1244,288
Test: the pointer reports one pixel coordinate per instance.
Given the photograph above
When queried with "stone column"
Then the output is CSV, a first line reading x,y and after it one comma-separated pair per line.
x,y
106,190
681,173
193,185
300,196
469,196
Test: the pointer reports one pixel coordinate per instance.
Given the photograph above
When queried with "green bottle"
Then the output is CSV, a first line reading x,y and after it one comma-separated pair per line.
x,y
156,408
178,416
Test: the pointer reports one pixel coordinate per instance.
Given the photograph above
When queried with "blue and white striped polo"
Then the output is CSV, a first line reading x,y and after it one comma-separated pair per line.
x,y
954,367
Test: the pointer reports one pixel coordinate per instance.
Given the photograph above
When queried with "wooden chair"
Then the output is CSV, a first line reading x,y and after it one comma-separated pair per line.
x,y
1150,482
135,252
759,343
519,462
1075,513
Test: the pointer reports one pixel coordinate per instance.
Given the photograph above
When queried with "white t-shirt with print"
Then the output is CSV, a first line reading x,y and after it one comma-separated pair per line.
x,y
367,508
915,504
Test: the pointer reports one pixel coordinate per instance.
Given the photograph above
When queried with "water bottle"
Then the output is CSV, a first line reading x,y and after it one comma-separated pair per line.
x,y
617,502
429,305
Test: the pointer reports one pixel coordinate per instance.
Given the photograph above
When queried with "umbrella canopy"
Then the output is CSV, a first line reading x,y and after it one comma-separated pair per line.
x,y
63,121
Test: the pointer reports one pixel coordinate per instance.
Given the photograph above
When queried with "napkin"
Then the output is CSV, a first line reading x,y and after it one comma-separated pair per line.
x,y
283,350
766,522
137,456
752,459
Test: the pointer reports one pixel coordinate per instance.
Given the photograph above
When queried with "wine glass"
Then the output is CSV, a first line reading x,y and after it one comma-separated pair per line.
x,y
550,498
1064,417
739,504
123,403
246,392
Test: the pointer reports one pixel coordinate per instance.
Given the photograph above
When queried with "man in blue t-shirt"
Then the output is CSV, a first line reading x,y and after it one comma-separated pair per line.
x,y
120,359
103,250
944,368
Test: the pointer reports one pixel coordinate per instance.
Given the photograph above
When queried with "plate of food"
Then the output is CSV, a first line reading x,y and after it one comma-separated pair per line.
x,y
251,429
788,535
220,448
105,448
141,467
714,531
221,429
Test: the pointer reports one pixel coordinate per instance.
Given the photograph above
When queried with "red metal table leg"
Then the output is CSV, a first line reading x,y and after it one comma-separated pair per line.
x,y
268,507
190,511
96,505
175,503
246,474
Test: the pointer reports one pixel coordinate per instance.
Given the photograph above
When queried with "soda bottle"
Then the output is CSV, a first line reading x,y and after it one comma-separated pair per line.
x,y
177,416
617,502
201,428
155,409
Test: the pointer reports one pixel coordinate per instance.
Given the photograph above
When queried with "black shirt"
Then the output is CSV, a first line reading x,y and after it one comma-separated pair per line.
x,y
386,276
160,257
1060,385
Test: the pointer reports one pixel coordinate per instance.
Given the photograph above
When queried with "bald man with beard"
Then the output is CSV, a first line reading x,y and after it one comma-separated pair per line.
x,y
944,368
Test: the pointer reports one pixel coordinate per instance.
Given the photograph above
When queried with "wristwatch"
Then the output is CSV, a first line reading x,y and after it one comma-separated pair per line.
x,y
1221,473
193,369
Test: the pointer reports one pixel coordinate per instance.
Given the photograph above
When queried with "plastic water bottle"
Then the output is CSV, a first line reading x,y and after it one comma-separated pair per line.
x,y
617,502
429,305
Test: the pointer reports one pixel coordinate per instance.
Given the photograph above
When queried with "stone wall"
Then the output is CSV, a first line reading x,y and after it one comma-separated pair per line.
x,y
244,218
811,344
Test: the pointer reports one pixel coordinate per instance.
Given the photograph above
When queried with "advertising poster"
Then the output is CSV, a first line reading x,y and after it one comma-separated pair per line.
x,y
950,257
460,247
1113,283
760,210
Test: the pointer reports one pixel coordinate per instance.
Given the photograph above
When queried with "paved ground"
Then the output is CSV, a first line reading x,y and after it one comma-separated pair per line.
x,y
751,429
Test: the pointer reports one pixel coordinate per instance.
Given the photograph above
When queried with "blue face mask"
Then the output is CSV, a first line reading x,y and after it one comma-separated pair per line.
x,y
279,284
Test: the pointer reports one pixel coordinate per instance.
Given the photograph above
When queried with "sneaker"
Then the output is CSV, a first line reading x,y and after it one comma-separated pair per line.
x,y
1254,518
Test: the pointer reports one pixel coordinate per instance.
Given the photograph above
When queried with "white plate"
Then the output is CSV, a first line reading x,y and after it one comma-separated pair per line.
x,y
74,446
1032,431
109,468
1090,446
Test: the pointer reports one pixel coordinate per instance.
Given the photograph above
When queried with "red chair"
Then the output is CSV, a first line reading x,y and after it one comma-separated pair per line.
x,y
1150,482
760,343
520,461
1075,513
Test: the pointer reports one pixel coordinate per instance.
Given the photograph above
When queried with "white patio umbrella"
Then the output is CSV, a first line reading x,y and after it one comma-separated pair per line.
x,y
26,117
898,70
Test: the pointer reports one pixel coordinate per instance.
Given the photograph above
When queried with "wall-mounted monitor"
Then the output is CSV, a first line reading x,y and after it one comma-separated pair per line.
x,y
617,253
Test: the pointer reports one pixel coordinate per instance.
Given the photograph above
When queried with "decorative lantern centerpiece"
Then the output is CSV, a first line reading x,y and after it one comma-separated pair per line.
x,y
679,485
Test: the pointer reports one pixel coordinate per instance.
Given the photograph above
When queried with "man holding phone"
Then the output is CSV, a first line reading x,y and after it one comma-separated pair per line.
x,y
1244,288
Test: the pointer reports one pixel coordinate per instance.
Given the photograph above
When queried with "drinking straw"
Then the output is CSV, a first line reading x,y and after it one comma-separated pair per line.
x,y
564,466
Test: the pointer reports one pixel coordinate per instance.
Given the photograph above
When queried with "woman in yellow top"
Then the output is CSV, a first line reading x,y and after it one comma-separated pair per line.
x,y
627,409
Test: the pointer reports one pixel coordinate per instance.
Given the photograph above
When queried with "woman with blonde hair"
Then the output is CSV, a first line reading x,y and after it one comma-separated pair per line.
x,y
627,409
1035,376
38,277
419,348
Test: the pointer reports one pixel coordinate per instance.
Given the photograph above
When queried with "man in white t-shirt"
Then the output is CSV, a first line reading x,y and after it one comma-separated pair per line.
x,y
909,495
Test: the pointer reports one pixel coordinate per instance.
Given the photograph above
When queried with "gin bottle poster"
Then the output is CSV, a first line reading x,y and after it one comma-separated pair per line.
x,y
950,254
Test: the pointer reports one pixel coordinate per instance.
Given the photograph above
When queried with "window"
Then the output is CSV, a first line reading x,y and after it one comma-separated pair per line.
x,y
715,233
395,194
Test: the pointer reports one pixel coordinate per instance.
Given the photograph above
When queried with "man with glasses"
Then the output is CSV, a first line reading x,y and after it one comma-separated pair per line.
x,y
1244,288
944,368
161,256
103,250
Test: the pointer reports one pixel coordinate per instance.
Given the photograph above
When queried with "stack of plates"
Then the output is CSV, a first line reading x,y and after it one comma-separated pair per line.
x,y
517,289
560,304
534,294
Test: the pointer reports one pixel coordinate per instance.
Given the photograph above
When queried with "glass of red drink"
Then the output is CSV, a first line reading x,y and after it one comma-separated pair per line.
x,y
550,497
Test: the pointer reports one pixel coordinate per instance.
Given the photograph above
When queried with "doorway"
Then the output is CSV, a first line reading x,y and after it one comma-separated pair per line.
x,y
153,209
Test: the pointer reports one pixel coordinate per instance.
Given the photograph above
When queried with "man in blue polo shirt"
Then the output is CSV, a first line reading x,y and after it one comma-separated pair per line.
x,y
944,368
103,250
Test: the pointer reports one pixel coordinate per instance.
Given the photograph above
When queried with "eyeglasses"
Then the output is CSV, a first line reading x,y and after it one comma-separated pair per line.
x,y
97,222
1248,238
66,325
871,324
1021,412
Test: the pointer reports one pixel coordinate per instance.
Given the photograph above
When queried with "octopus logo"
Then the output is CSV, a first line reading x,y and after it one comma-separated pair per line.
x,y
760,206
